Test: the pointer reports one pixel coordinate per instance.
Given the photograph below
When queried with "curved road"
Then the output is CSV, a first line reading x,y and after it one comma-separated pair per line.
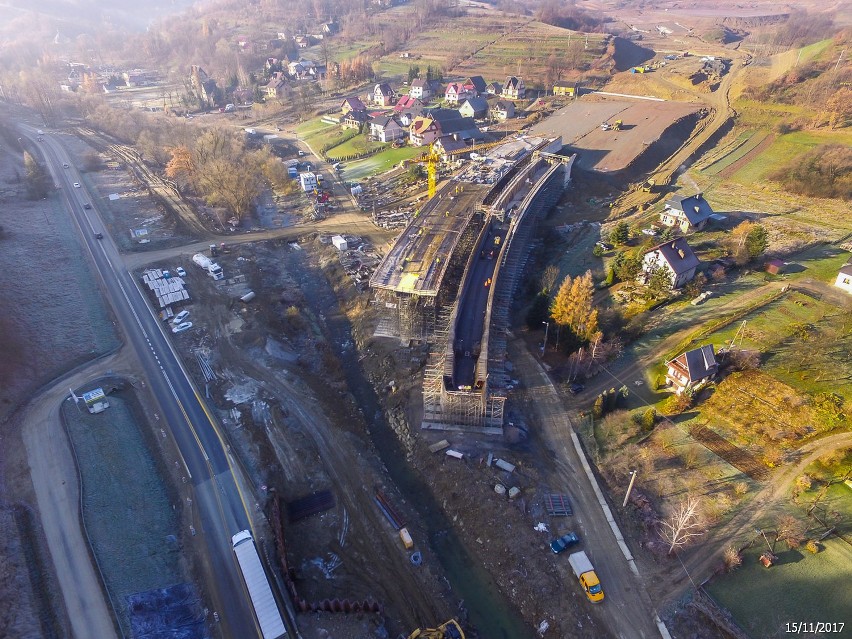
x,y
207,467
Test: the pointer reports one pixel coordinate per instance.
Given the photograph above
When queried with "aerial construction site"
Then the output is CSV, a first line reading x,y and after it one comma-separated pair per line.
x,y
460,253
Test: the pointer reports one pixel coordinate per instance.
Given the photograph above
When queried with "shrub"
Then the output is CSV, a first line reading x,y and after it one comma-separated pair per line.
x,y
732,558
676,404
740,488
649,418
812,546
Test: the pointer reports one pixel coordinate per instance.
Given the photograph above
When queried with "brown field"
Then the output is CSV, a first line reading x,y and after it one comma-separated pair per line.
x,y
610,151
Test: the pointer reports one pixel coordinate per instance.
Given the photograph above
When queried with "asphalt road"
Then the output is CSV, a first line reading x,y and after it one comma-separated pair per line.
x,y
219,502
470,322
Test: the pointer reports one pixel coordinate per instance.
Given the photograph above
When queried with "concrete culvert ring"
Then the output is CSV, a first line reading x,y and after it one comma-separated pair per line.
x,y
416,558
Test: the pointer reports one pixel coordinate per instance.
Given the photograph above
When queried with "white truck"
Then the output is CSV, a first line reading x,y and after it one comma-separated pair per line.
x,y
585,573
212,268
257,584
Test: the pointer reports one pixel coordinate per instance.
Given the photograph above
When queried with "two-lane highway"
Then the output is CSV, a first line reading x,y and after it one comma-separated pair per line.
x,y
206,465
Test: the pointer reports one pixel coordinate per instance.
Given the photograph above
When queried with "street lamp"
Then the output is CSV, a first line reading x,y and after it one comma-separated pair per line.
x,y
629,488
546,329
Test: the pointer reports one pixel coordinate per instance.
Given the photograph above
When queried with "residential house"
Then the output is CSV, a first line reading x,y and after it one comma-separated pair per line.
x,y
355,119
272,64
329,28
476,84
205,87
513,88
448,146
277,85
383,95
386,129
774,266
407,117
352,104
565,88
688,213
503,110
844,278
303,69
476,108
421,89
406,103
456,93
494,88
675,257
302,41
422,131
692,368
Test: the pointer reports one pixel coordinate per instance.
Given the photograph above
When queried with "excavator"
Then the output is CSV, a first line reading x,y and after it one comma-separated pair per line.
x,y
449,630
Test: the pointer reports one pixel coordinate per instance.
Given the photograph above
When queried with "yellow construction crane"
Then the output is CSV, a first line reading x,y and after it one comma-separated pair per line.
x,y
448,630
432,159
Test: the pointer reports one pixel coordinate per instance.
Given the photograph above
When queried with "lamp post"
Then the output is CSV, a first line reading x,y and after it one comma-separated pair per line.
x,y
546,329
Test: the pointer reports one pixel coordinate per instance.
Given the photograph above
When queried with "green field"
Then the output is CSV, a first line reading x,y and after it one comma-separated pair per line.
x,y
378,163
801,587
747,141
358,144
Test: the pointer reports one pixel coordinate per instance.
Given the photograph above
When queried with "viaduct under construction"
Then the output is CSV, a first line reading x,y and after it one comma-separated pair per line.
x,y
451,274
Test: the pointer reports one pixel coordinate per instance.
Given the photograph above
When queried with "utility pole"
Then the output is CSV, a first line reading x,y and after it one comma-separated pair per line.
x,y
546,329
629,488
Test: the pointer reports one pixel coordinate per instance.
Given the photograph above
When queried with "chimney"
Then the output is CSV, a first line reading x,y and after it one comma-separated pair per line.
x,y
674,245
698,195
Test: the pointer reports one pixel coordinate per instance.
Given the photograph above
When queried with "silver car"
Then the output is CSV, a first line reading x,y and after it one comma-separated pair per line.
x,y
180,328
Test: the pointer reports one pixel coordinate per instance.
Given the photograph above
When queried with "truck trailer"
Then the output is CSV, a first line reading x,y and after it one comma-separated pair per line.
x,y
212,268
585,573
265,609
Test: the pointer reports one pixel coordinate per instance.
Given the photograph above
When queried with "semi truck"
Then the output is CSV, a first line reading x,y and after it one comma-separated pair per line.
x,y
212,268
585,573
265,609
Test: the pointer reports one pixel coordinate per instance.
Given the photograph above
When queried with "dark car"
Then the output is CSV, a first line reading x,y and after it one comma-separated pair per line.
x,y
87,206
576,388
564,542
99,236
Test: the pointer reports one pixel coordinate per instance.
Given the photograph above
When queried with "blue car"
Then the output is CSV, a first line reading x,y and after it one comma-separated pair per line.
x,y
564,542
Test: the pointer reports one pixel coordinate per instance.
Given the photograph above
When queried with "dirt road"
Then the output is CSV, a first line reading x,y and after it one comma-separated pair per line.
x,y
628,610
56,484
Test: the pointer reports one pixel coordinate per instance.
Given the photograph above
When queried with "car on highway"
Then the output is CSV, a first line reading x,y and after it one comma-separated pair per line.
x,y
180,271
180,328
65,166
76,185
180,317
87,206
99,236
564,542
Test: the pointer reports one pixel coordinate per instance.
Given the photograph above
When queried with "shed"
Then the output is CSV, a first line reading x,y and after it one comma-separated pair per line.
x,y
774,267
339,243
309,181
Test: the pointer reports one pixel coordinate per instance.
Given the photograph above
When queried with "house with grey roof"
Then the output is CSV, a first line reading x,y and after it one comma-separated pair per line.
x,y
476,108
386,129
675,257
688,213
691,368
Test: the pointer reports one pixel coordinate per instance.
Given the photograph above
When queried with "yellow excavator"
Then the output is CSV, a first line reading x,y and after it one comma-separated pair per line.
x,y
448,630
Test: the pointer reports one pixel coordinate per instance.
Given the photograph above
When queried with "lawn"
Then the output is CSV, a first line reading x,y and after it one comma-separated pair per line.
x,y
747,141
353,146
378,163
313,126
801,587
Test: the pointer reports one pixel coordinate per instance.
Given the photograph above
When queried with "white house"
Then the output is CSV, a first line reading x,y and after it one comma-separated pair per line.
x,y
675,257
844,278
513,88
686,213
386,129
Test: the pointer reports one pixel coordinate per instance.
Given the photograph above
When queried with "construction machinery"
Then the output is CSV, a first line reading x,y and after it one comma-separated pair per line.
x,y
616,126
432,159
649,185
448,630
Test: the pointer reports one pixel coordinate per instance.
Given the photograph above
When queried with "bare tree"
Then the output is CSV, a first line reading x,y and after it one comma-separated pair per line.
x,y
548,279
683,526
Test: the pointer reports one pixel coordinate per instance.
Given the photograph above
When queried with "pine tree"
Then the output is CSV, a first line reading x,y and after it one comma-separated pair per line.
x,y
561,308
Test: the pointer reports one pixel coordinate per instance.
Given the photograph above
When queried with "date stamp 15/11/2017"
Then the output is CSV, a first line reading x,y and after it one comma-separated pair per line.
x,y
814,627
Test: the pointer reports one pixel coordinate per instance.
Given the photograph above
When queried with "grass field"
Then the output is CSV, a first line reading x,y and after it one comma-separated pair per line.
x,y
801,587
747,141
378,163
126,506
353,146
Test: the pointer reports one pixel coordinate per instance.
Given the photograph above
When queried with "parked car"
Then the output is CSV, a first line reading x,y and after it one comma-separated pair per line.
x,y
180,317
300,153
564,542
180,328
576,388
180,271
76,185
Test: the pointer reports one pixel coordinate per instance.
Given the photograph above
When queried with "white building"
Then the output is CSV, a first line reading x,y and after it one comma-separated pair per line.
x,y
844,278
308,181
